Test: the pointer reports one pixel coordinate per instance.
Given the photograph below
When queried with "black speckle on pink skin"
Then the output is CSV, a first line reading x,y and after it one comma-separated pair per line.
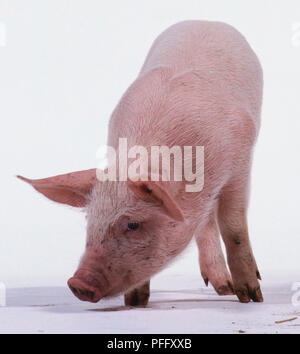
x,y
237,240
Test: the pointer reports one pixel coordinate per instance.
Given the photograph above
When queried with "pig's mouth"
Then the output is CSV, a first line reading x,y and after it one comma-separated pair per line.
x,y
88,285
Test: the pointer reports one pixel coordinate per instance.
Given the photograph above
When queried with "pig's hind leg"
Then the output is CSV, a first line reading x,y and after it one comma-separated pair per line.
x,y
138,296
211,259
232,218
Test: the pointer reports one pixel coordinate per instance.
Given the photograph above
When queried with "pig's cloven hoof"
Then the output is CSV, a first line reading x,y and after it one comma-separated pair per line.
x,y
219,278
136,299
246,293
138,296
225,289
245,278
249,289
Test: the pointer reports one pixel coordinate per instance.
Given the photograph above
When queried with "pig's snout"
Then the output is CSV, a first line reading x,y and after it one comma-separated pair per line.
x,y
86,285
83,290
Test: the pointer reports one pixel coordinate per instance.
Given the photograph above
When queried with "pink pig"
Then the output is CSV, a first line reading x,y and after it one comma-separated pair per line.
x,y
201,85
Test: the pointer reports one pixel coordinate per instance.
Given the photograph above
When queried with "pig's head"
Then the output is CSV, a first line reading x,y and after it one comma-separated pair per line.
x,y
133,230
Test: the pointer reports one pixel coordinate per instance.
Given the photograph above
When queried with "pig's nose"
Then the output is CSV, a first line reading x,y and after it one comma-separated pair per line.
x,y
83,290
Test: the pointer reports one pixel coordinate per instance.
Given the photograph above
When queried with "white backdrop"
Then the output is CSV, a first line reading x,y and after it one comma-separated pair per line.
x,y
63,67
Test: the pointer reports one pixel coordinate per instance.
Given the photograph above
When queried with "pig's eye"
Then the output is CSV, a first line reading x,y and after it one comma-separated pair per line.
x,y
133,225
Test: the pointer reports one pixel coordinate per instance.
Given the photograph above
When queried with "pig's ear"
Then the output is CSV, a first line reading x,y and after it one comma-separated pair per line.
x,y
71,188
157,192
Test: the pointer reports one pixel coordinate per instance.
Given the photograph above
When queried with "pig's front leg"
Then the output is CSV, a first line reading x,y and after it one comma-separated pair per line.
x,y
138,296
232,217
211,259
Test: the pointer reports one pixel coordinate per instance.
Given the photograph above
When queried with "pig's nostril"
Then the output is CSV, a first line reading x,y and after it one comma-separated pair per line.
x,y
80,293
77,291
90,295
84,291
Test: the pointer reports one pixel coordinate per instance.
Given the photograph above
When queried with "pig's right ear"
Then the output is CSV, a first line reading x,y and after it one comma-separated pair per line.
x,y
71,188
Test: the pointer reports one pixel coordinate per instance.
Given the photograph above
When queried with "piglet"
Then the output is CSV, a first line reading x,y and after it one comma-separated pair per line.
x,y
200,85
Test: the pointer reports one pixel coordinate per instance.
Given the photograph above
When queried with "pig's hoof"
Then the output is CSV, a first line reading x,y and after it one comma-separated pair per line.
x,y
246,293
222,283
245,283
225,289
134,298
138,296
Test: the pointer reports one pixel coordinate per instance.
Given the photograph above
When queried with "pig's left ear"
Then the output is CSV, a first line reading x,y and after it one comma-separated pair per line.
x,y
157,192
71,188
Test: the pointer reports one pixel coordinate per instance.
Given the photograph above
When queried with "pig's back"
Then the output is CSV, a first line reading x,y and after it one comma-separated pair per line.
x,y
217,52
